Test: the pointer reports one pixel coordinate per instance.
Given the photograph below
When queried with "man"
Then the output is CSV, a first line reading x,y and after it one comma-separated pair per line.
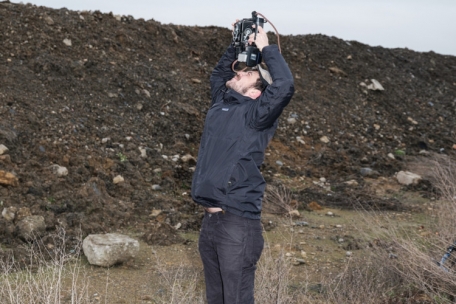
x,y
227,181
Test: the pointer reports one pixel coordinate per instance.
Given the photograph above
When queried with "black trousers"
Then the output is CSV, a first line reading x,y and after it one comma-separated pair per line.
x,y
230,247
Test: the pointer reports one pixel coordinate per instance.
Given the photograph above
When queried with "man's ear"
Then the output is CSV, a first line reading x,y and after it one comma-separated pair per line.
x,y
253,93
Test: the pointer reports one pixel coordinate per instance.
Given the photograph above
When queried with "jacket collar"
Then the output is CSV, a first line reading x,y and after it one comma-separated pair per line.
x,y
231,96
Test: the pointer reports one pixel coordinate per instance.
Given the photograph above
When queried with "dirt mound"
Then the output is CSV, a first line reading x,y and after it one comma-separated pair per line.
x,y
102,115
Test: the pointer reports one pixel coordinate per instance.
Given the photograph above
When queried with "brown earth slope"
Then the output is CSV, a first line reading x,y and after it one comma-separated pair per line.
x,y
104,95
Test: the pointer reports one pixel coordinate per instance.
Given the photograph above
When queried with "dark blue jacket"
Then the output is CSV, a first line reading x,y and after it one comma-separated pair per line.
x,y
236,133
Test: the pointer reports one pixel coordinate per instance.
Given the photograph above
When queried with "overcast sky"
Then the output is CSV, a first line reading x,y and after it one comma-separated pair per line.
x,y
420,25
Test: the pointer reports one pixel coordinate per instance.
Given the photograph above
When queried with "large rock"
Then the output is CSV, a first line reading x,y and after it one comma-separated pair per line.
x,y
31,227
407,178
109,249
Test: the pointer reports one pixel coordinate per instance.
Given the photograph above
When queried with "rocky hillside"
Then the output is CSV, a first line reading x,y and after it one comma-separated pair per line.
x,y
100,117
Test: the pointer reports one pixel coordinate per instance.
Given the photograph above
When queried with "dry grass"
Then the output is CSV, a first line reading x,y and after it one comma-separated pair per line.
x,y
422,268
402,265
273,274
272,279
277,200
274,282
48,277
179,285
444,179
364,280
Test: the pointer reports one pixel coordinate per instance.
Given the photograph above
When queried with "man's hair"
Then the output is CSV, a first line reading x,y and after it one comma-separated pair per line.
x,y
258,84
265,77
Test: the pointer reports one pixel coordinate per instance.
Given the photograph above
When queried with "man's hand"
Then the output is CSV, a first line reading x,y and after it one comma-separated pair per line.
x,y
261,39
232,25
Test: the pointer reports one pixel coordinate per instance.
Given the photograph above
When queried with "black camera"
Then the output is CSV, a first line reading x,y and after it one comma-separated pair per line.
x,y
249,54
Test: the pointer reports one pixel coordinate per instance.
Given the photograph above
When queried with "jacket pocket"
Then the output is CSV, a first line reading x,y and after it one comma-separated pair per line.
x,y
245,177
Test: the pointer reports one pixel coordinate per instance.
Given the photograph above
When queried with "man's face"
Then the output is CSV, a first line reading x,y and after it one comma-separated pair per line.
x,y
243,81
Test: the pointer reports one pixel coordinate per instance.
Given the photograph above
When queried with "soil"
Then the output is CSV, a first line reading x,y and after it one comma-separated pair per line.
x,y
104,95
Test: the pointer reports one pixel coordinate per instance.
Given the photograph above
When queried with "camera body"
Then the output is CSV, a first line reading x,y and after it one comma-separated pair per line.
x,y
249,54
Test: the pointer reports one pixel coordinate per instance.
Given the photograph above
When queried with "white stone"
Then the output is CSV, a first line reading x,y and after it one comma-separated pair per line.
x,y
294,213
407,178
49,20
413,121
375,86
9,213
118,179
324,139
291,120
3,149
59,170
143,152
298,262
300,140
105,140
156,187
352,182
109,249
391,155
155,213
187,158
67,42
